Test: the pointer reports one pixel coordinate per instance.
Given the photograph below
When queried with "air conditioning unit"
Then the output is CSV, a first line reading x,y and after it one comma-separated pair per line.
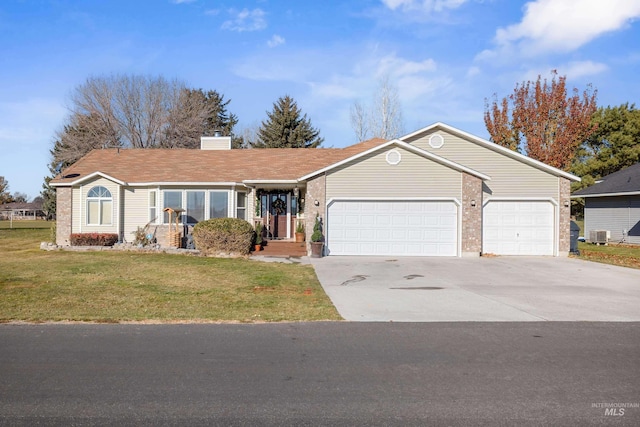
x,y
599,236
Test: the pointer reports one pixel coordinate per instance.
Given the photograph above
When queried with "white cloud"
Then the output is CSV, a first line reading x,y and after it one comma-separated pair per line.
x,y
398,67
182,1
565,25
339,87
246,20
413,78
427,6
473,71
578,69
276,40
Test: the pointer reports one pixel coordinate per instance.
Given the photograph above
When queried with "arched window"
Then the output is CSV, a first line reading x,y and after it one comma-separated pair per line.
x,y
99,206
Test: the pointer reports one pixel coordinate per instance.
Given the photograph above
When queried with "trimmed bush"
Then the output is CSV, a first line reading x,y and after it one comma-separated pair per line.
x,y
223,235
94,239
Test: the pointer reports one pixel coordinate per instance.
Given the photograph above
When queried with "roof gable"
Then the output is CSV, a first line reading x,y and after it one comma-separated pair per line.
x,y
404,145
489,145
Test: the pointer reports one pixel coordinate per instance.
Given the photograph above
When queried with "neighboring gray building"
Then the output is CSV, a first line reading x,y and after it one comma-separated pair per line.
x,y
613,205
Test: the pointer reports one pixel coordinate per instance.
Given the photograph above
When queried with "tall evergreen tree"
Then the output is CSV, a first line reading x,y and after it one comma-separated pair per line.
x,y
217,118
614,145
286,127
57,164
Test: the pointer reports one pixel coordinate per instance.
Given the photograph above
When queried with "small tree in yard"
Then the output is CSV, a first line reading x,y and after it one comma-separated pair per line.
x,y
544,123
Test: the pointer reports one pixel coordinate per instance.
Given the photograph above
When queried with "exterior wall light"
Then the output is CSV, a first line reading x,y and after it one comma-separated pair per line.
x,y
473,203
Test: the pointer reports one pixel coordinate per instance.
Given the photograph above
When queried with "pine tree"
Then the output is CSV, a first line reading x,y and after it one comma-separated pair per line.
x,y
286,127
56,165
613,146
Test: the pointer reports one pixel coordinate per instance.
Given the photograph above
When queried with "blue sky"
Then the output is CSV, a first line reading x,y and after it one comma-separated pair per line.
x,y
444,56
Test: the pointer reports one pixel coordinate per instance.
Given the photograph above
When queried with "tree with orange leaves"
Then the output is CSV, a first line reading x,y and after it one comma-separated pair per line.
x,y
544,123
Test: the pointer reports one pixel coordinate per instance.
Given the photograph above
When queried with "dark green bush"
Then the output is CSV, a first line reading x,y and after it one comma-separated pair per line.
x,y
223,235
93,239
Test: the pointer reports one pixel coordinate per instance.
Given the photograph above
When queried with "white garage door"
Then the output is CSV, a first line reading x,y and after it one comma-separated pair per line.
x,y
518,228
409,228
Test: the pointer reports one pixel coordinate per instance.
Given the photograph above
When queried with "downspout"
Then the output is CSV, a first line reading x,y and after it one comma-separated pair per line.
x,y
119,221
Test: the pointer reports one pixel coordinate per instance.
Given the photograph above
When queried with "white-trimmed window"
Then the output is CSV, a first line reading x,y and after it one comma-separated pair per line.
x,y
218,204
241,205
195,207
153,206
173,200
99,206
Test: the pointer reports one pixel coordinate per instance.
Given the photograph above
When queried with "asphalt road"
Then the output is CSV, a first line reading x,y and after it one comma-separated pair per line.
x,y
312,374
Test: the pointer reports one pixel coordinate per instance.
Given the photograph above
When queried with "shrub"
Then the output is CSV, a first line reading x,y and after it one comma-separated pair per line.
x,y
258,240
141,238
223,235
53,233
317,231
94,239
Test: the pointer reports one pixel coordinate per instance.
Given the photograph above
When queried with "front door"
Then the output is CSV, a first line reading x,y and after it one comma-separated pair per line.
x,y
277,214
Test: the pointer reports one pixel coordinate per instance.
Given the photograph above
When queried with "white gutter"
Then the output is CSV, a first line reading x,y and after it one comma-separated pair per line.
x,y
628,193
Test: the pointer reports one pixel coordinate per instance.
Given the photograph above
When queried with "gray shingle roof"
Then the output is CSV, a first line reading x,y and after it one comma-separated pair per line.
x,y
624,181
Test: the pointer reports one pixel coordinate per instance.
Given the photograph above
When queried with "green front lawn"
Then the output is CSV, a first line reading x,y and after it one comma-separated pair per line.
x,y
25,223
39,286
622,255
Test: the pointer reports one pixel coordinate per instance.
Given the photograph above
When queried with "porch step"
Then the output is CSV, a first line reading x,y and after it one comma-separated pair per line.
x,y
282,248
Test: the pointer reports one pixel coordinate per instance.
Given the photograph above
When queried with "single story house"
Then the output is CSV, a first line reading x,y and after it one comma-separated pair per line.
x,y
612,205
438,191
21,210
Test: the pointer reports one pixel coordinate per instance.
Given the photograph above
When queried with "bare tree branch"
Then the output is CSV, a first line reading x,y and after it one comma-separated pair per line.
x,y
384,120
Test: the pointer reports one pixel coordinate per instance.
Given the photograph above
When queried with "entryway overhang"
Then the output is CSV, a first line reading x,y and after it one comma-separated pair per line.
x,y
274,184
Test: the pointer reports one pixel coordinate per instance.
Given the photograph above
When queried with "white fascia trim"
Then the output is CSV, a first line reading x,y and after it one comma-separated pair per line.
x,y
183,184
394,199
520,199
90,176
407,147
629,193
495,147
270,181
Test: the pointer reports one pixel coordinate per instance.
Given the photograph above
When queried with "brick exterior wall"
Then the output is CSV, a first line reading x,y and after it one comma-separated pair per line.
x,y
63,216
316,190
471,215
565,217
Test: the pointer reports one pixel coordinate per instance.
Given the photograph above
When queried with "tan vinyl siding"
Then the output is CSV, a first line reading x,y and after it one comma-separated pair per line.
x,y
413,177
80,207
510,178
614,214
135,211
76,226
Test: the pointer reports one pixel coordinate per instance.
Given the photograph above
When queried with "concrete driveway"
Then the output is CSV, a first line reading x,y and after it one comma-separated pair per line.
x,y
479,289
